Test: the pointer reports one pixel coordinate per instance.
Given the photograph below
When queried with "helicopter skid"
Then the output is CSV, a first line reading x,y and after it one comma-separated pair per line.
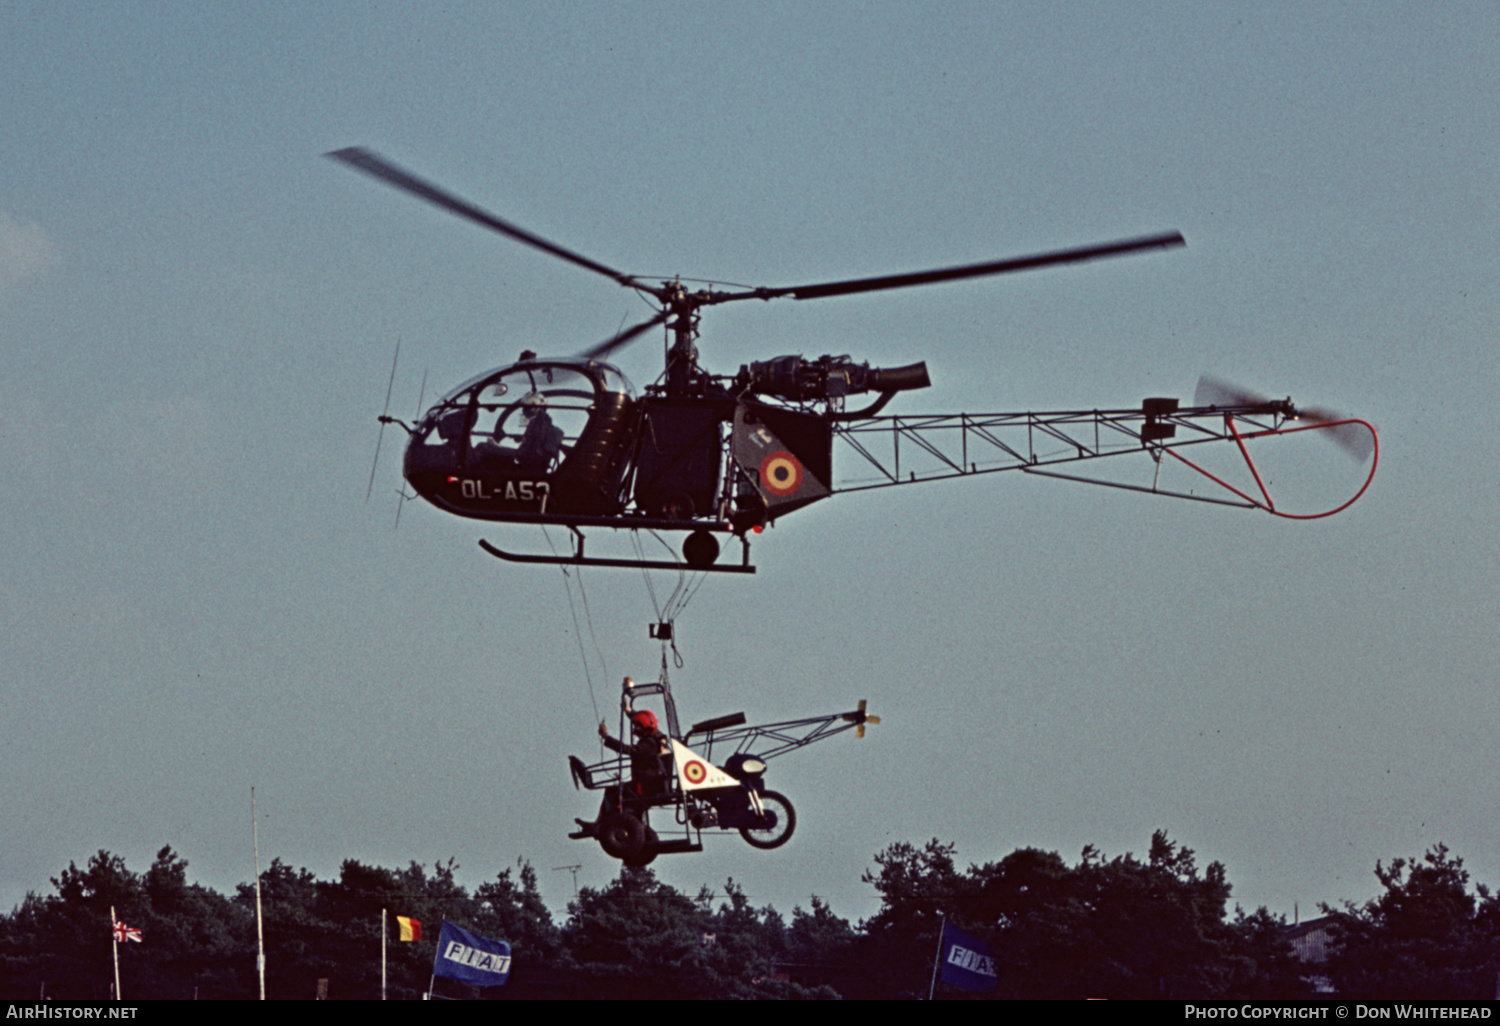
x,y
579,559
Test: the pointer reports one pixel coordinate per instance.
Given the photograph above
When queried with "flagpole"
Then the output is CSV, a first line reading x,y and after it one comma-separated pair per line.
x,y
260,937
115,947
937,958
382,954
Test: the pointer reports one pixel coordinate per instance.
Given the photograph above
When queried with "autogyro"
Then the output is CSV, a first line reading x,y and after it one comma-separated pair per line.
x,y
567,441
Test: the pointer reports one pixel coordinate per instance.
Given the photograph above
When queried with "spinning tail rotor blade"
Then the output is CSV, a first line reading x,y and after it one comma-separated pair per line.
x,y
1164,240
1212,391
609,345
1352,438
376,166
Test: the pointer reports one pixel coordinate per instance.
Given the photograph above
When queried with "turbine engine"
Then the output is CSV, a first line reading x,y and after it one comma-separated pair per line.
x,y
827,377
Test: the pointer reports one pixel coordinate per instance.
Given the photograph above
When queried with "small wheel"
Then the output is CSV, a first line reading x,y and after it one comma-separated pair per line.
x,y
777,826
700,550
621,835
647,854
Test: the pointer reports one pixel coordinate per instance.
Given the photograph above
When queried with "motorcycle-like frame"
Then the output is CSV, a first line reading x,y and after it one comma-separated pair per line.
x,y
704,794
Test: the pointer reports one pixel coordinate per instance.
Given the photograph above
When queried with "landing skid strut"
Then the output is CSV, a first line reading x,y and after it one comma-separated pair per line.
x,y
579,559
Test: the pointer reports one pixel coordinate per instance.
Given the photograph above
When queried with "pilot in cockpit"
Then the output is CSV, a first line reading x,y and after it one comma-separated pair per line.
x,y
542,440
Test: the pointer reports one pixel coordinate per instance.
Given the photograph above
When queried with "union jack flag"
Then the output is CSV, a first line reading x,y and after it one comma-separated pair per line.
x,y
125,933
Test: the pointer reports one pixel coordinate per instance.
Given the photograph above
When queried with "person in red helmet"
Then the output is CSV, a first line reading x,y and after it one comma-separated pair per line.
x,y
649,754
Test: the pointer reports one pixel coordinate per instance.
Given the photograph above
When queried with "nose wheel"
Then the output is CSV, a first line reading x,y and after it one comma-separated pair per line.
x,y
777,821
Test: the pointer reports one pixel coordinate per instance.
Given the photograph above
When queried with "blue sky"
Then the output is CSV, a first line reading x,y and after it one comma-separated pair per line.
x,y
198,312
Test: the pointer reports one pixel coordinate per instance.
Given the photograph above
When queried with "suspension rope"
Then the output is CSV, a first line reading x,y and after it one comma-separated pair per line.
x,y
687,586
577,632
588,617
640,556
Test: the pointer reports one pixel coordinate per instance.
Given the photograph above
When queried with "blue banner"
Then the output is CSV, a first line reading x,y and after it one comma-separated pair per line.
x,y
468,957
966,960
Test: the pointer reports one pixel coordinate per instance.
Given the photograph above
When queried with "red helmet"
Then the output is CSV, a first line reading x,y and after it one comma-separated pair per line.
x,y
645,719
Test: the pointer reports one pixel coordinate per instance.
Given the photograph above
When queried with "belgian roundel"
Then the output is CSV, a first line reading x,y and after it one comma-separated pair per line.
x,y
781,474
694,772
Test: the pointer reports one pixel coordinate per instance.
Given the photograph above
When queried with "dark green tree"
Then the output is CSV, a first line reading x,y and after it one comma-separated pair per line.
x,y
516,914
319,930
920,889
195,942
1264,967
1426,937
818,937
1113,928
331,930
292,930
200,941
74,926
639,938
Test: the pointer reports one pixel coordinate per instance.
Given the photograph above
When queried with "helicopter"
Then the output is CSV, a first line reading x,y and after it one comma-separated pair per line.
x,y
567,440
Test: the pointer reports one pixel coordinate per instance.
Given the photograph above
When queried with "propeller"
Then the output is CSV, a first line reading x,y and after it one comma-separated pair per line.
x,y
401,495
859,718
384,420
1352,438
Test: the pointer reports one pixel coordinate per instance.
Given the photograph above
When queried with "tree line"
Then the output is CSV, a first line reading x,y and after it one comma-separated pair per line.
x,y
1122,927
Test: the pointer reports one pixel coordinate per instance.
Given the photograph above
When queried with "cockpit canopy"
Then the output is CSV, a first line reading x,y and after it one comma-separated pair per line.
x,y
538,437
528,416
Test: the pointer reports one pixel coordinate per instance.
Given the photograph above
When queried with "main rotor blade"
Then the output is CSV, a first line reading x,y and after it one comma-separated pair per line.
x,y
609,345
376,166
1165,240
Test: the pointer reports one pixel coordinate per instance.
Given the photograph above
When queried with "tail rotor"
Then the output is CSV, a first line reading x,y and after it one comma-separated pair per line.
x,y
1351,436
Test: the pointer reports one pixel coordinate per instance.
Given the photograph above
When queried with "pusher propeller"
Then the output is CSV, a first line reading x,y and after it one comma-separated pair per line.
x,y
859,718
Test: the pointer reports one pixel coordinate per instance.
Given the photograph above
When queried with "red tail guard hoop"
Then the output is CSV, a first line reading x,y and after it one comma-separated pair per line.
x,y
1266,502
